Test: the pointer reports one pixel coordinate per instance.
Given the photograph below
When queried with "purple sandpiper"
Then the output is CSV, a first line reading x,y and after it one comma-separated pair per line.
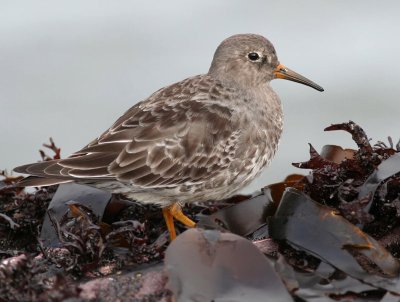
x,y
203,138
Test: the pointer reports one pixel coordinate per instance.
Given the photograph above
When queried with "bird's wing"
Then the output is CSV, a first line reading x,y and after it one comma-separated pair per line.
x,y
177,136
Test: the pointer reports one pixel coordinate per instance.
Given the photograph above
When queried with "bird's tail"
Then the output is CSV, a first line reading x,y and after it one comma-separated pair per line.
x,y
34,181
45,173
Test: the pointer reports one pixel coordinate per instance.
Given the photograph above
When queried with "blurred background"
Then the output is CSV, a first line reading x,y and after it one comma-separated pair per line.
x,y
69,69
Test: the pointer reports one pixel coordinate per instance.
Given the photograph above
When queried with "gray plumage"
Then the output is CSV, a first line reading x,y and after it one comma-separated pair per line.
x,y
203,138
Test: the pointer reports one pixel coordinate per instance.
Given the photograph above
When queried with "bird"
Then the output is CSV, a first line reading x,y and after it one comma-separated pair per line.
x,y
203,138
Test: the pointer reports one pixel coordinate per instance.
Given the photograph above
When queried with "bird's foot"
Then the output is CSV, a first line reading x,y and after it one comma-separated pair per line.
x,y
175,211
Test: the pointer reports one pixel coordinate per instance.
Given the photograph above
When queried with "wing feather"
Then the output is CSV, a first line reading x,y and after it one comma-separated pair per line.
x,y
89,161
179,135
89,173
114,147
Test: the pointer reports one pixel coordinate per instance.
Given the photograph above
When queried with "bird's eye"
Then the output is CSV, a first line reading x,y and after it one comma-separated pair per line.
x,y
253,56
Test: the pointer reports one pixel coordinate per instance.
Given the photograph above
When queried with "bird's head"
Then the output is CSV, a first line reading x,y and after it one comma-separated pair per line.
x,y
249,60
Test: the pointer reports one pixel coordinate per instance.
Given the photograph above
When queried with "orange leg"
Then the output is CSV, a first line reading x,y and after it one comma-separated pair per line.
x,y
169,221
175,211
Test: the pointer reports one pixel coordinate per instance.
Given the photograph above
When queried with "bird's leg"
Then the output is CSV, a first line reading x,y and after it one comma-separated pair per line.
x,y
175,211
169,221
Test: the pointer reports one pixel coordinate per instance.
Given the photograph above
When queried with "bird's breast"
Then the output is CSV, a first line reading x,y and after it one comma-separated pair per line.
x,y
261,129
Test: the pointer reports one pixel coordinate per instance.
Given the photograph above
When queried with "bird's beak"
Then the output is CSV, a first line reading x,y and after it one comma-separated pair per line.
x,y
282,72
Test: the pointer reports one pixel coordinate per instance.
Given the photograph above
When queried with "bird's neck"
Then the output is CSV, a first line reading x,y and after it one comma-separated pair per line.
x,y
265,104
231,76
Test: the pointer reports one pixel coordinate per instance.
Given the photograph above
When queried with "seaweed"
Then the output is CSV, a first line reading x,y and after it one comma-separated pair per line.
x,y
331,235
